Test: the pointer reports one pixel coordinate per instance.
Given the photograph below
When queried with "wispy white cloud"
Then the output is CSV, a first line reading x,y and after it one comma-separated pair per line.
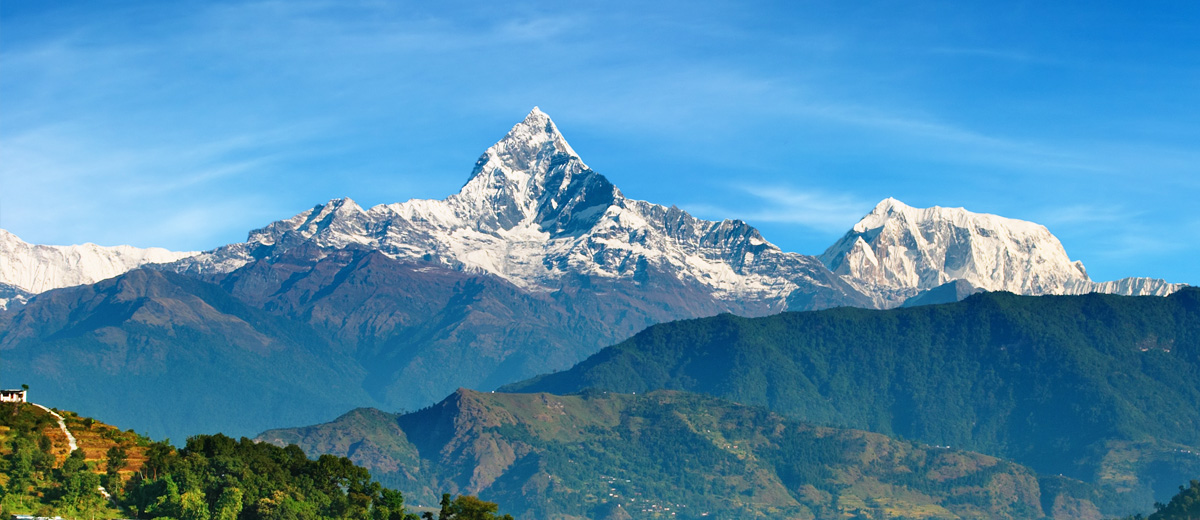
x,y
1118,234
957,143
338,29
1085,215
60,179
815,209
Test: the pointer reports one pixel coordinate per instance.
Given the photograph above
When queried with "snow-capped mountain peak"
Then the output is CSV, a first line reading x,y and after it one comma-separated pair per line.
x,y
337,214
37,268
893,210
533,213
903,249
531,177
526,147
897,251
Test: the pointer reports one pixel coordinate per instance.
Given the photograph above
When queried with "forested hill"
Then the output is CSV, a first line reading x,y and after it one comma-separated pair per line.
x,y
1099,387
213,477
677,455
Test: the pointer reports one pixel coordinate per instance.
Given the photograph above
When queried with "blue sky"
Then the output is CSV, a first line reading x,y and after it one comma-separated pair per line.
x,y
186,124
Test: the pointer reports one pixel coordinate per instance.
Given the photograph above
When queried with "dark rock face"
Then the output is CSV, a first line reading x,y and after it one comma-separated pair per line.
x,y
421,330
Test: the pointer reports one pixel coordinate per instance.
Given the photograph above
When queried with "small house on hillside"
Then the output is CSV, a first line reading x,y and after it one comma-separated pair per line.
x,y
12,396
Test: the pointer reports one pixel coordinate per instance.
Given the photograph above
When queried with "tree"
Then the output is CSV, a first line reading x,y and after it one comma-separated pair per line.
x,y
158,457
229,505
167,500
389,505
467,507
74,463
193,506
1185,505
112,470
77,484
21,466
445,513
116,459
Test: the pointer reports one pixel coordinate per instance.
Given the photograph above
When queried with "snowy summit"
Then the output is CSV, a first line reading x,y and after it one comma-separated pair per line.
x,y
533,213
897,251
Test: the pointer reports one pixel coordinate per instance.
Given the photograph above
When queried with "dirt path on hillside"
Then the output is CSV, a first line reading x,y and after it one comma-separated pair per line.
x,y
62,425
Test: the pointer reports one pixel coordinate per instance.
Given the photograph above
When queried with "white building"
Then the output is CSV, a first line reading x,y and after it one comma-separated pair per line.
x,y
12,396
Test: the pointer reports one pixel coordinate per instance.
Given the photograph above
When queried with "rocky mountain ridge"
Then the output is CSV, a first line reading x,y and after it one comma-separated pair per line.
x,y
11,295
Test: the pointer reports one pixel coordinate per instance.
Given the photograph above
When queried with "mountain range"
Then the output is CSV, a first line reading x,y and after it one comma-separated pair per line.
x,y
533,214
535,264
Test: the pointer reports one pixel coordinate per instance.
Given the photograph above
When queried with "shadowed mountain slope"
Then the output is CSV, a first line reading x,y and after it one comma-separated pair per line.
x,y
171,354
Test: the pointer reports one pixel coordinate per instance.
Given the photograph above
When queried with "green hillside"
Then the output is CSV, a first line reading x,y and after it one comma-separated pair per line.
x,y
678,455
213,477
39,474
1100,388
